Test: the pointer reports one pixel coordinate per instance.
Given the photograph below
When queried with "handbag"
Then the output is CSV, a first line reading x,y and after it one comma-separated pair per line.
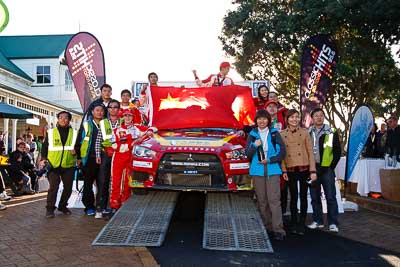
x,y
75,200
42,184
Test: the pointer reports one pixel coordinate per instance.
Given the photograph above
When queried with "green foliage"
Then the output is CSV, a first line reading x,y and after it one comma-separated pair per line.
x,y
267,38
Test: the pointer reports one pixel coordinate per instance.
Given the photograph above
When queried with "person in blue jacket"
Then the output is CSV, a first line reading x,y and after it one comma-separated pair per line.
x,y
265,170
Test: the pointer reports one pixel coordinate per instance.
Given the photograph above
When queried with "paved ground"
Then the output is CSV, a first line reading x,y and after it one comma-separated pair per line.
x,y
366,239
27,238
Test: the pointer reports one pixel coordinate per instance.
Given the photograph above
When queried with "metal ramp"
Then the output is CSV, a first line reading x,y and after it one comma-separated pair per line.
x,y
232,222
142,221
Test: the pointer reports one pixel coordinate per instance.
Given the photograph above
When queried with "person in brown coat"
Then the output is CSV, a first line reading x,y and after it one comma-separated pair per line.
x,y
298,166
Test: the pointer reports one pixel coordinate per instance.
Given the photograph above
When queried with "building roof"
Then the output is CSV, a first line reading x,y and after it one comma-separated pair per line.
x,y
11,67
33,46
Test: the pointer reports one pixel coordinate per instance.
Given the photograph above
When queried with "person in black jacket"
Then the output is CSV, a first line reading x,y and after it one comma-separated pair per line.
x,y
393,137
327,150
372,149
19,164
104,99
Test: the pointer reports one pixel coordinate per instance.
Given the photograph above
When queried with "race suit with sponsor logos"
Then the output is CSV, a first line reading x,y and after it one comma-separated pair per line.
x,y
123,138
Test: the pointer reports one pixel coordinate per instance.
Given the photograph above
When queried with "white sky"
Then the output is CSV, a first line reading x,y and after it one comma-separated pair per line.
x,y
168,37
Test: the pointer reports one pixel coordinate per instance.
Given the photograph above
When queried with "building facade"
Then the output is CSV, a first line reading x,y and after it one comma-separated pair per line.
x,y
35,78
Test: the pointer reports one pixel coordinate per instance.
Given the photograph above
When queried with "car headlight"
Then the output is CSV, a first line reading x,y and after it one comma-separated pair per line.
x,y
236,154
143,152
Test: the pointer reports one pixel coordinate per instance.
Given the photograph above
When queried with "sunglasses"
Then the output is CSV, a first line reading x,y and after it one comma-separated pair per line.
x,y
113,107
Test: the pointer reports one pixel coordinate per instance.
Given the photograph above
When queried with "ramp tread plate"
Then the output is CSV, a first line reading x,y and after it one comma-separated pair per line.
x,y
237,228
215,203
142,221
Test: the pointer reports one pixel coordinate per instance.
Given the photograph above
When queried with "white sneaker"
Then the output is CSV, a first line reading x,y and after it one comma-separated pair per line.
x,y
333,228
4,196
98,215
3,207
315,225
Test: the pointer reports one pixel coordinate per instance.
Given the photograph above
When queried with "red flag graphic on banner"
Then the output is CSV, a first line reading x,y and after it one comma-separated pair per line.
x,y
204,107
85,62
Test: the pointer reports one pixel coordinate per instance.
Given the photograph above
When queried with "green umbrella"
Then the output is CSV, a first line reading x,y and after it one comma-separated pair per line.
x,y
11,112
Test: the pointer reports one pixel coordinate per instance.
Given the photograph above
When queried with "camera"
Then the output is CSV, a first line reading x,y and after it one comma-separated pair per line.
x,y
45,169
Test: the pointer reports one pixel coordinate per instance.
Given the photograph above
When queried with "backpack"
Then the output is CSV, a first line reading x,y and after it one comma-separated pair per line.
x,y
273,139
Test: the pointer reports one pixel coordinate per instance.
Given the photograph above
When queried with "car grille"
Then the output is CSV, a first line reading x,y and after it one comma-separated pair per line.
x,y
190,169
185,179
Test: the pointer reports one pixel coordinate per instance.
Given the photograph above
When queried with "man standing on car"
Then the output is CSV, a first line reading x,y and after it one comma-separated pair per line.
x,y
144,101
326,148
58,154
220,79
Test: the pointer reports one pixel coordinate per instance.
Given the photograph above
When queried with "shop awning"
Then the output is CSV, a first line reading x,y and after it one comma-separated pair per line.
x,y
11,112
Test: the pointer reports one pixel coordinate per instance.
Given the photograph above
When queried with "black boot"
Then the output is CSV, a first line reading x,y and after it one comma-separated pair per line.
x,y
65,210
50,214
293,225
301,226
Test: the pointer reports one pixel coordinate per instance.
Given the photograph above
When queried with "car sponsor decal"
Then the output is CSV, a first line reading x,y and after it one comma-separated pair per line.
x,y
239,166
190,171
237,147
142,164
192,143
196,164
146,145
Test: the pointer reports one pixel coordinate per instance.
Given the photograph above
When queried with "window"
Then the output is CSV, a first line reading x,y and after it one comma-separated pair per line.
x,y
68,81
43,75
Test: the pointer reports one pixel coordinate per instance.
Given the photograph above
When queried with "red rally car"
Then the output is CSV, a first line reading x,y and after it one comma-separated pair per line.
x,y
199,145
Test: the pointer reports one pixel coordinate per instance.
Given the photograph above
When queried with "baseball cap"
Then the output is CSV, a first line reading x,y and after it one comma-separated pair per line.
x,y
224,65
271,102
127,111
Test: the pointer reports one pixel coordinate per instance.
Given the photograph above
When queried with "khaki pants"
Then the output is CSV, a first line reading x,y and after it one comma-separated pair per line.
x,y
268,194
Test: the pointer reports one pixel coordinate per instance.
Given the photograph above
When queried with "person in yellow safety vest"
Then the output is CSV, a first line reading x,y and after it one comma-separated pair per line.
x,y
59,159
104,153
86,157
327,150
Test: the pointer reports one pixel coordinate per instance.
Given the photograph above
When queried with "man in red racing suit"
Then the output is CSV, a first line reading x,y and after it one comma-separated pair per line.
x,y
123,139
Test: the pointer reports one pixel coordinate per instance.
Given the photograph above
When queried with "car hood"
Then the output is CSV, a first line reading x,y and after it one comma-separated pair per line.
x,y
195,139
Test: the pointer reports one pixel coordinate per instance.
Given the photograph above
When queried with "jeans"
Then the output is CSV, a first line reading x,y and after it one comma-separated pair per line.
x,y
91,174
326,178
103,186
294,178
284,195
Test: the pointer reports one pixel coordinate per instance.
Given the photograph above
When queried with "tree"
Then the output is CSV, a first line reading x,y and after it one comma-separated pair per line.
x,y
267,38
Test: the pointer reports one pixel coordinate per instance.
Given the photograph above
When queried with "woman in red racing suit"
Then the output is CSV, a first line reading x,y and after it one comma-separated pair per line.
x,y
124,137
